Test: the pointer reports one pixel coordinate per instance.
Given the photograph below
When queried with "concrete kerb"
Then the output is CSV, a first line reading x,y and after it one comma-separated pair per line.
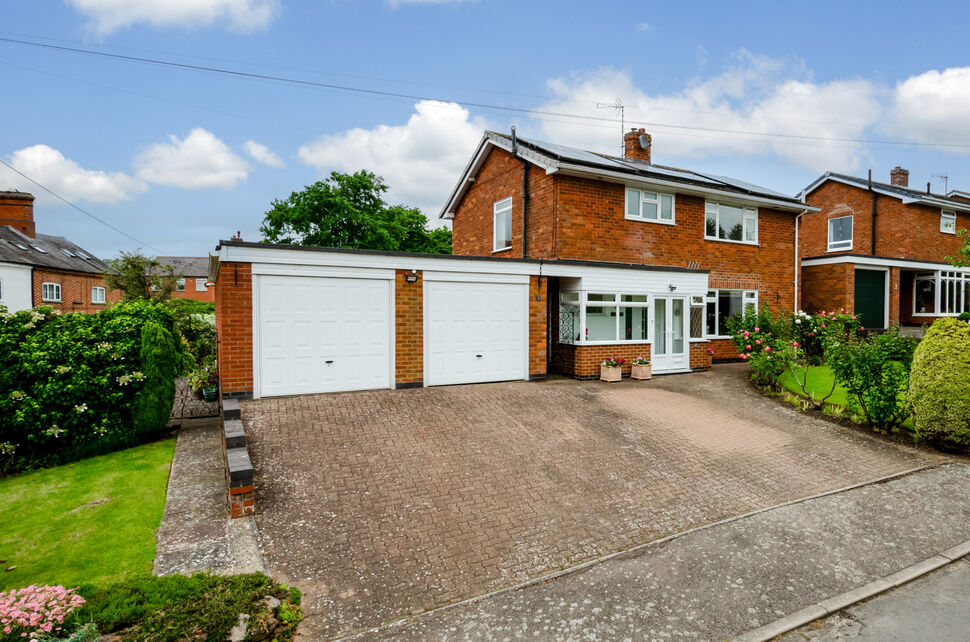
x,y
838,602
658,542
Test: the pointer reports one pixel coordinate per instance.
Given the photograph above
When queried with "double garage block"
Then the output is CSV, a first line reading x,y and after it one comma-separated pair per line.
x,y
316,334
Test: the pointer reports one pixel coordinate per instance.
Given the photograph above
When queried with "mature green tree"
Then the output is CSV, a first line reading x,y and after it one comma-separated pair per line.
x,y
349,211
140,277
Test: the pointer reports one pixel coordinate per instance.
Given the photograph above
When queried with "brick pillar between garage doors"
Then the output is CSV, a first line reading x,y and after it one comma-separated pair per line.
x,y
409,330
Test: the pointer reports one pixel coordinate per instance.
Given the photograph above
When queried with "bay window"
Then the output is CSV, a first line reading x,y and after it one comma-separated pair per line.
x,y
723,305
642,205
727,222
942,293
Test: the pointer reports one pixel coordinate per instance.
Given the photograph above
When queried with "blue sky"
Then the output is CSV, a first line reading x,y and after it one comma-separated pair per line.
x,y
180,159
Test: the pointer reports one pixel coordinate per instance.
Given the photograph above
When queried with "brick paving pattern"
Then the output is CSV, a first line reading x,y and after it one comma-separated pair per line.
x,y
387,503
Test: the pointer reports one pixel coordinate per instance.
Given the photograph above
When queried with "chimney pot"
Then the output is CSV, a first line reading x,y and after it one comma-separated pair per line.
x,y
899,176
634,147
17,211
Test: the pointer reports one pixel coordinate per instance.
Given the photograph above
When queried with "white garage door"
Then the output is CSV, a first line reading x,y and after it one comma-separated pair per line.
x,y
474,332
321,334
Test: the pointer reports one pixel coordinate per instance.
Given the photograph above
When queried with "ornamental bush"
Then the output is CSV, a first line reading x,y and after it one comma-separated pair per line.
x,y
757,336
68,382
939,384
153,402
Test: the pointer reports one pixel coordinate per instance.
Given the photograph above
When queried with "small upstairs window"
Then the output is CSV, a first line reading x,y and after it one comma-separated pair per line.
x,y
948,222
649,206
840,233
98,295
502,224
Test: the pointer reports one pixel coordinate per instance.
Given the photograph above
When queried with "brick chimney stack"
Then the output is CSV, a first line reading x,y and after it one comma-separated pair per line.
x,y
899,176
632,147
17,211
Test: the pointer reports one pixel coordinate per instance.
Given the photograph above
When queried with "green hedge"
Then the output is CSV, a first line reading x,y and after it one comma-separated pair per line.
x,y
939,384
68,382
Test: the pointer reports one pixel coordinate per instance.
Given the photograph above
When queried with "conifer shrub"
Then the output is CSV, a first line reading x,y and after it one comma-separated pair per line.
x,y
939,384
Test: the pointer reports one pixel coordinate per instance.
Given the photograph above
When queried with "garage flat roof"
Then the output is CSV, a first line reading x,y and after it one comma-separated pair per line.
x,y
452,257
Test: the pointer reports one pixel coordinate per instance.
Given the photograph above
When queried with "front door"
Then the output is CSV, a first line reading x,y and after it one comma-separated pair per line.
x,y
669,351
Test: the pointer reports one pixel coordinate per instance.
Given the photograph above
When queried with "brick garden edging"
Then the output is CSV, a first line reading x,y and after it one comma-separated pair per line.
x,y
240,476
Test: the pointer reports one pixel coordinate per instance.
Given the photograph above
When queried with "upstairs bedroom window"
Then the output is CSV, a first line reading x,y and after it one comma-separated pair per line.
x,y
948,222
726,222
502,224
840,233
649,206
97,295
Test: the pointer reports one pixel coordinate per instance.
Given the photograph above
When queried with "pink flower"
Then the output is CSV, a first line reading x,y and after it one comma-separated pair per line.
x,y
744,356
853,317
823,313
747,347
823,326
767,348
862,327
795,343
757,329
757,342
745,334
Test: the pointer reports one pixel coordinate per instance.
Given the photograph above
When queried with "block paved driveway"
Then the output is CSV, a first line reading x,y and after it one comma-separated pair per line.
x,y
387,503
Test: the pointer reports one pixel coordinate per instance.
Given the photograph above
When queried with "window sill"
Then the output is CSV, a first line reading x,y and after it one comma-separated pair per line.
x,y
504,249
719,337
615,342
751,243
707,340
647,220
839,249
51,301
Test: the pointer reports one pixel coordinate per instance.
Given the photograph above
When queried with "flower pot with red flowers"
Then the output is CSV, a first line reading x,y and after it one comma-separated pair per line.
x,y
641,369
611,369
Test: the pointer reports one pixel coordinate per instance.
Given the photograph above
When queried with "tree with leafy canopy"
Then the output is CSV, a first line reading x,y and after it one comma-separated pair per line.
x,y
349,211
140,277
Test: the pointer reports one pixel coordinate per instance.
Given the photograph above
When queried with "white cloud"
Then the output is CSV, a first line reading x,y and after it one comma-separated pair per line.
x,y
199,161
262,154
420,160
758,95
105,16
51,168
934,107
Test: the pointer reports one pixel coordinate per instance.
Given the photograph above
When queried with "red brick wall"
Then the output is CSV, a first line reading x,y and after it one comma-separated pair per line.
x,y
75,288
191,293
409,328
17,211
700,358
902,231
583,361
538,326
501,177
234,329
828,287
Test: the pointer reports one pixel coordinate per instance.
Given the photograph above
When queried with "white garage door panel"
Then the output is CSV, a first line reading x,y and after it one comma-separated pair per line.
x,y
306,322
465,320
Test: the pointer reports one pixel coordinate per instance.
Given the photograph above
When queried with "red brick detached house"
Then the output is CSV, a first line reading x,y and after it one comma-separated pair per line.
x,y
193,274
613,257
527,199
878,250
38,269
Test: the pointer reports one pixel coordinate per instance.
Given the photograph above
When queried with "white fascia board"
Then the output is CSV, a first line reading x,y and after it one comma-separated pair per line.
x,y
929,201
881,262
682,188
814,184
906,200
471,170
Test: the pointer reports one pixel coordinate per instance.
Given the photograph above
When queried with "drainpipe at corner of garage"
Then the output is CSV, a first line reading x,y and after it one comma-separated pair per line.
x,y
872,240
525,189
797,219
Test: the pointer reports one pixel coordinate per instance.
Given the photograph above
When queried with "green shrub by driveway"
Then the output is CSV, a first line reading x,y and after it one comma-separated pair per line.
x,y
939,389
90,522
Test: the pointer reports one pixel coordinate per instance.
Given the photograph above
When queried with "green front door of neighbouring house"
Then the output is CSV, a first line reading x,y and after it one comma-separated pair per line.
x,y
870,297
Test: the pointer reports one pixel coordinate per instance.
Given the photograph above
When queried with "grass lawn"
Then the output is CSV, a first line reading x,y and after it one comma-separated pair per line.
x,y
90,522
820,380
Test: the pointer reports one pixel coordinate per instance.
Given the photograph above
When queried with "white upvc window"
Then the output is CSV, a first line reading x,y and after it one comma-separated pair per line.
x,y
729,222
642,205
200,285
180,285
502,224
723,305
840,233
51,292
98,295
941,293
604,317
948,222
697,309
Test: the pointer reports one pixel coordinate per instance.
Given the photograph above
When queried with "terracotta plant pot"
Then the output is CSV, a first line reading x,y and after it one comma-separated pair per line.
x,y
641,372
611,374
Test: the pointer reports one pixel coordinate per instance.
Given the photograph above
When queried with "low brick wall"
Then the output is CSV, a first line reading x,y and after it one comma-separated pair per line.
x,y
240,475
583,362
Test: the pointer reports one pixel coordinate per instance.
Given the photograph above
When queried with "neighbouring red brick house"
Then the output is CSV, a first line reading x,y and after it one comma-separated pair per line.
x,y
193,272
879,250
528,199
39,269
